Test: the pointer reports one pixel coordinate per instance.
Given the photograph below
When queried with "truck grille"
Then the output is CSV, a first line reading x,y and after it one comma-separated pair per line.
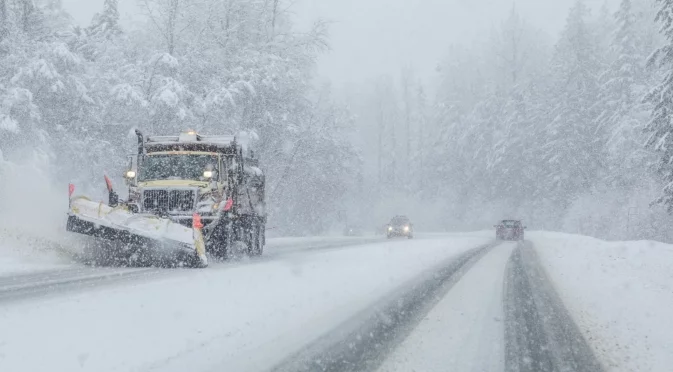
x,y
168,200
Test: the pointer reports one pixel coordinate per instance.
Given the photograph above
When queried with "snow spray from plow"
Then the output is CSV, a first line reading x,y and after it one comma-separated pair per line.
x,y
137,231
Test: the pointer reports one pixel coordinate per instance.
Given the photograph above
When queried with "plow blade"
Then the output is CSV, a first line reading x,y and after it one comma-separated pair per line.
x,y
149,232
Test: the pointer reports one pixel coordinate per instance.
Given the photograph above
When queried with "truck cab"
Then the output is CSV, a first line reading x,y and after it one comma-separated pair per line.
x,y
177,183
214,176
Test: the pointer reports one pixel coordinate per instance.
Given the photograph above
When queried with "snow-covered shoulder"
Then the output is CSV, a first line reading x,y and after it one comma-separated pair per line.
x,y
620,294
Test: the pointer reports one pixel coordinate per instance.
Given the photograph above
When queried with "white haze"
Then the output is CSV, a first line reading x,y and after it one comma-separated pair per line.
x,y
373,37
395,107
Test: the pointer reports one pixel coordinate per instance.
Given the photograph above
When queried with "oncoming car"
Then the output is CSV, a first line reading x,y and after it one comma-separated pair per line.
x,y
509,230
400,226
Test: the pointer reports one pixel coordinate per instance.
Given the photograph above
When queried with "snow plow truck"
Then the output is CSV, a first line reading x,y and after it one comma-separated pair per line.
x,y
190,196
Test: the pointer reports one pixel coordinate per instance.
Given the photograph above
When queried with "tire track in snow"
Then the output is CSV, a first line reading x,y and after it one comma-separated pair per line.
x,y
363,343
62,281
540,334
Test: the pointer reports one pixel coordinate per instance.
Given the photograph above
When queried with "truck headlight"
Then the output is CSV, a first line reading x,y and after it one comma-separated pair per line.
x,y
390,228
130,174
406,228
207,174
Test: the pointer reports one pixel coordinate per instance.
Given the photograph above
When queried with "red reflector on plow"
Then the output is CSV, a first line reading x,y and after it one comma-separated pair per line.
x,y
196,221
71,190
229,204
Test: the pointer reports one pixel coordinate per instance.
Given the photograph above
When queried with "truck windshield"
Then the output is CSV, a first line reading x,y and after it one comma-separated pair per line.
x,y
176,167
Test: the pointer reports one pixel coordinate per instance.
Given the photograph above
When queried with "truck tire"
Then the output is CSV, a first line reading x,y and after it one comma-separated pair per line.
x,y
259,240
218,242
255,239
193,261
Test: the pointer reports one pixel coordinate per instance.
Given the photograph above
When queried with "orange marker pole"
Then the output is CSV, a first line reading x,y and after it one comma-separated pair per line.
x,y
108,183
199,244
71,190
228,204
196,221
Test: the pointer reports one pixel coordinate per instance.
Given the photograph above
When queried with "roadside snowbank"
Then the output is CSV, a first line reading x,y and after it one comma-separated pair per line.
x,y
620,294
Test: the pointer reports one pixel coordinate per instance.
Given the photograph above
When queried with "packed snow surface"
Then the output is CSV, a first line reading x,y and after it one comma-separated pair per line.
x,y
620,294
243,316
464,331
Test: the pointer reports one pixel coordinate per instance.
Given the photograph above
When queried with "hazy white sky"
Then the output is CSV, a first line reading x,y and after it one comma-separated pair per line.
x,y
372,37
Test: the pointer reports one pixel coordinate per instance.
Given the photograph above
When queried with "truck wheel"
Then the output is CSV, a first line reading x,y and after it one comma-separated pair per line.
x,y
194,261
258,241
217,246
218,243
238,250
220,251
250,239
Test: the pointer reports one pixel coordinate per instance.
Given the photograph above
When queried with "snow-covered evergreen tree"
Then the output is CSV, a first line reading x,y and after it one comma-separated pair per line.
x,y
622,87
660,127
571,151
76,92
106,23
522,126
518,124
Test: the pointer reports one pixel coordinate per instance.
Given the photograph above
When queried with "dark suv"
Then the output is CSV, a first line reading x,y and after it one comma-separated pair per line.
x,y
509,230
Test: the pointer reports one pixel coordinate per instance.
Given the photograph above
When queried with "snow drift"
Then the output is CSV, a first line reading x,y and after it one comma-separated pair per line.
x,y
620,294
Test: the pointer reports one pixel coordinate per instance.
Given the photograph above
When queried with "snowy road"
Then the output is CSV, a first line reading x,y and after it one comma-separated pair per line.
x,y
540,334
464,331
444,303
